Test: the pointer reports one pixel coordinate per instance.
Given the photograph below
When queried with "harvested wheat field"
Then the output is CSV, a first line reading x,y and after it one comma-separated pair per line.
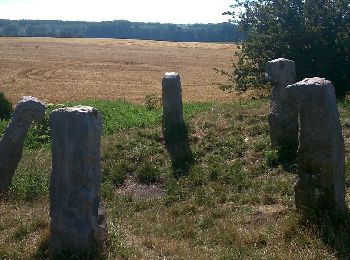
x,y
60,70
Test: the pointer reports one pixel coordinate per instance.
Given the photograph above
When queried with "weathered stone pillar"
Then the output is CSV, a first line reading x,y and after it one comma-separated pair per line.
x,y
172,100
282,118
29,109
75,180
321,152
174,127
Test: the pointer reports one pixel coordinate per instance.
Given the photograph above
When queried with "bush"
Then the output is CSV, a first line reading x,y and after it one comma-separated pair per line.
x,y
315,34
147,173
6,109
152,102
272,157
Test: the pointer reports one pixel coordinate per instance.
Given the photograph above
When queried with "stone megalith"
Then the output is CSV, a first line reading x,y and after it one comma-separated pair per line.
x,y
174,127
29,109
172,100
283,120
75,181
321,152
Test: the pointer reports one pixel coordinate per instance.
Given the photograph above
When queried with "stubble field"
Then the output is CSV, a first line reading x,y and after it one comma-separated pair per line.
x,y
61,70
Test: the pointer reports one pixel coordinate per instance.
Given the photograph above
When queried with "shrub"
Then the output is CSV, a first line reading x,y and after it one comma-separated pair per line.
x,y
315,34
147,173
6,109
271,157
152,102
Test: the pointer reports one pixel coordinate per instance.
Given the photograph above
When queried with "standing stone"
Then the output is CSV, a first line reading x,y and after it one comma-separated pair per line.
x,y
321,153
75,180
29,109
172,100
282,118
174,127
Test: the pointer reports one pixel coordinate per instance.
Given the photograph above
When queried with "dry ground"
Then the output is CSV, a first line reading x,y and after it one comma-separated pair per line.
x,y
59,70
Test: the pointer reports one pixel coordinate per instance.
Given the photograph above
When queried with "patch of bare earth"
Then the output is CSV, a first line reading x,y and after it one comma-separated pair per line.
x,y
138,190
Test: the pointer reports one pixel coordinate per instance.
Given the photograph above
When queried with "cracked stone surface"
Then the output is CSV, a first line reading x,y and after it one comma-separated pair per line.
x,y
77,219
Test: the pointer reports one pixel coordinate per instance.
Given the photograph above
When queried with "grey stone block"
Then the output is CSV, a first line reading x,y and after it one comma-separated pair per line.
x,y
283,119
321,152
75,181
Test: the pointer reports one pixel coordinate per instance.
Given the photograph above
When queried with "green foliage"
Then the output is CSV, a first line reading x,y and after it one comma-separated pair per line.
x,y
315,34
6,109
271,157
39,134
3,125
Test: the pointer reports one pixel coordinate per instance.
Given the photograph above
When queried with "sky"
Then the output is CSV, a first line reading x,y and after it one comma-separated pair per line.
x,y
164,11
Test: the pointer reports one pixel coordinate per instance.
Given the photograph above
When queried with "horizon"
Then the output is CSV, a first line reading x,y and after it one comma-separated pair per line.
x,y
153,11
83,21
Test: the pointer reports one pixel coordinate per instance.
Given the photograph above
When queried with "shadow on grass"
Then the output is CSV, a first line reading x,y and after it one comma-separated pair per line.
x,y
42,252
178,147
284,155
333,227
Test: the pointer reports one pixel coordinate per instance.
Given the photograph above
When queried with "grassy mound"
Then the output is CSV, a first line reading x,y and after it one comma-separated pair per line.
x,y
236,202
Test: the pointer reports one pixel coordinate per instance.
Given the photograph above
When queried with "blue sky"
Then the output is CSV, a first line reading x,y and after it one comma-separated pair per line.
x,y
176,11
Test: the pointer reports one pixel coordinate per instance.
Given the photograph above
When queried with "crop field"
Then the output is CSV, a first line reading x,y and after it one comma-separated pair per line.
x,y
61,70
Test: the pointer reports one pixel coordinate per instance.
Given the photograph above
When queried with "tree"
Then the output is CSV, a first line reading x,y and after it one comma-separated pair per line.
x,y
121,29
315,34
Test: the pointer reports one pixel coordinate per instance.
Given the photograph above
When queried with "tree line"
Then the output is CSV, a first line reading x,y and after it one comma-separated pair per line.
x,y
122,29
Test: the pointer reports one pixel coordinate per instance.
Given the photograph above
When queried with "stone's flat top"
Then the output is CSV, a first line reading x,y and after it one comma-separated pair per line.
x,y
314,81
279,60
31,99
171,75
76,109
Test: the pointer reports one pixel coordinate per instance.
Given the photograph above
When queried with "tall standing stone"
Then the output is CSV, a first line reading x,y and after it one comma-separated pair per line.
x,y
321,153
172,100
174,127
282,118
29,109
75,181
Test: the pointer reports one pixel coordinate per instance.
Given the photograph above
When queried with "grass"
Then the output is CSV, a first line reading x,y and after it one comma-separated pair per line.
x,y
237,201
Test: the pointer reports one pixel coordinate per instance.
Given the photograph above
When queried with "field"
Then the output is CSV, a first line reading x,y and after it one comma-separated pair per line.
x,y
61,70
236,201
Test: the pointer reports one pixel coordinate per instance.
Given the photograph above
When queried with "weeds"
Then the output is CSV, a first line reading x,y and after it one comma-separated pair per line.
x,y
152,102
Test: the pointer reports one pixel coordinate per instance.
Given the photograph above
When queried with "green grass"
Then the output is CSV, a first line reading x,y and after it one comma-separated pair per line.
x,y
117,115
3,124
237,201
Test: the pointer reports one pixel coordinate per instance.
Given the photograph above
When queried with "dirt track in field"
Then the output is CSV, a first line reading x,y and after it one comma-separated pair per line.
x,y
59,70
